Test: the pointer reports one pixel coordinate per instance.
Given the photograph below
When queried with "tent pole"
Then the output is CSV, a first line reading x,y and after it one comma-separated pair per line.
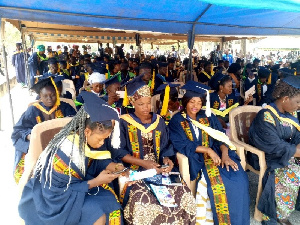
x,y
191,38
6,70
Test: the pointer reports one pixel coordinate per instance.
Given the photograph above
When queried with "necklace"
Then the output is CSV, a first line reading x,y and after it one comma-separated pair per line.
x,y
222,99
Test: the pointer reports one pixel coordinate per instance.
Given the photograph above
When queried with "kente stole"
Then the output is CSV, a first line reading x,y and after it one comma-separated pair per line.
x,y
217,185
133,127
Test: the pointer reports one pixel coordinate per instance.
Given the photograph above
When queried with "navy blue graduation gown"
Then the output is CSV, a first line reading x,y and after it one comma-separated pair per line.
x,y
166,149
28,120
235,182
18,61
45,205
278,141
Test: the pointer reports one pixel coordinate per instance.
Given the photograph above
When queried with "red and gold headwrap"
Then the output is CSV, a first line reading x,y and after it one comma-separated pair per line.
x,y
144,91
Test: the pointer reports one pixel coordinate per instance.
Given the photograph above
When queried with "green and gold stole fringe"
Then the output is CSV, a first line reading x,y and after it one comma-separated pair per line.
x,y
135,145
259,91
19,170
214,176
114,216
157,143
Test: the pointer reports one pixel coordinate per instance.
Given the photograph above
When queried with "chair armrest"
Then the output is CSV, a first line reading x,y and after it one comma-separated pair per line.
x,y
240,151
259,153
184,168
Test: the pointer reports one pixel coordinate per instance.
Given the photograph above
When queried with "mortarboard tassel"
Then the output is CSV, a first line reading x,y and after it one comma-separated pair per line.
x,y
56,91
295,72
212,70
115,136
164,108
167,74
153,82
207,107
270,78
125,99
106,74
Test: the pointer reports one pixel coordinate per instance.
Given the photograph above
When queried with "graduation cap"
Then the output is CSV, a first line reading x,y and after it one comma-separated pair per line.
x,y
234,67
195,89
63,62
145,65
168,89
256,60
293,81
112,80
287,72
86,56
263,73
47,82
249,66
52,61
58,81
163,64
216,80
132,86
99,111
96,77
171,60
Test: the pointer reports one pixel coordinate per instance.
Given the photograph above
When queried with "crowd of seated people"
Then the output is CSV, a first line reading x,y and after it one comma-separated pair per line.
x,y
114,128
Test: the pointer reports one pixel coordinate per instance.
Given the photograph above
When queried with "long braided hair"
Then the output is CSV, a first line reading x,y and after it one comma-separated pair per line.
x,y
76,126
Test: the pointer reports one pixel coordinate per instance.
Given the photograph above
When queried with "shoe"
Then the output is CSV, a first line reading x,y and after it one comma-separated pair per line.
x,y
284,222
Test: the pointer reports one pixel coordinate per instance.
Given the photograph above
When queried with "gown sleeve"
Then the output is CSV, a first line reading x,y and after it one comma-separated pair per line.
x,y
22,129
165,144
179,139
266,135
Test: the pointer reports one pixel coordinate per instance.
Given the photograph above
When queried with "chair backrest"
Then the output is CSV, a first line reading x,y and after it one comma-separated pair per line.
x,y
69,101
240,120
41,135
155,102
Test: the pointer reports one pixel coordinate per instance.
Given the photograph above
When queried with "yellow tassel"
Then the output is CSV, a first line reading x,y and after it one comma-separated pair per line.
x,y
295,72
153,82
212,72
270,79
56,91
107,75
164,108
125,99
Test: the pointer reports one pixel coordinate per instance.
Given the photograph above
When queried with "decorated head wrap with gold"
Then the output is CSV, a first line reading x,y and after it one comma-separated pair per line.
x,y
135,89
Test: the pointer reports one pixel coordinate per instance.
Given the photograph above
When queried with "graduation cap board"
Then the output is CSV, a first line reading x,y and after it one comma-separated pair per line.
x,y
195,89
99,111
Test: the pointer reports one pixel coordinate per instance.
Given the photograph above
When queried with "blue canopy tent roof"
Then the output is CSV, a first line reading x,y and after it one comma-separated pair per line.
x,y
260,17
205,17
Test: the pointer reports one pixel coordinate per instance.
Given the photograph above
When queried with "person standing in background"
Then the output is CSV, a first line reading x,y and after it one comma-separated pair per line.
x,y
18,61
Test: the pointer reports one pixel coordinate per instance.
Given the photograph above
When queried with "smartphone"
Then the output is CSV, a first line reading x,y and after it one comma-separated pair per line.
x,y
175,178
120,93
163,166
121,171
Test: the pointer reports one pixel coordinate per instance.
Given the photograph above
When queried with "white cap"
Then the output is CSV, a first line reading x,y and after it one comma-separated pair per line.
x,y
96,77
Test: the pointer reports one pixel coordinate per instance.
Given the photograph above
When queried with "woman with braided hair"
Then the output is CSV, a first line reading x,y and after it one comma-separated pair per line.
x,y
49,107
276,131
71,178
